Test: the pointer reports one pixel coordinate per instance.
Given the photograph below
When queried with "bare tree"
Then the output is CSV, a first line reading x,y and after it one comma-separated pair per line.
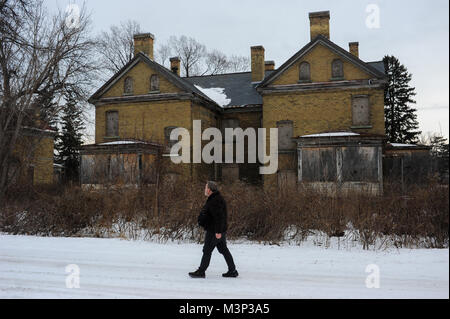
x,y
237,63
40,57
163,53
190,52
215,63
116,46
197,60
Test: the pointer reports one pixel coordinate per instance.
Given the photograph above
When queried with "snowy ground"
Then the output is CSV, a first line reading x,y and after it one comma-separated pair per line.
x,y
35,267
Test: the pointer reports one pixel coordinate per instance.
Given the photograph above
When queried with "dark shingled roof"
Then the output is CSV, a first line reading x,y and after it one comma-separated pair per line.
x,y
378,65
238,87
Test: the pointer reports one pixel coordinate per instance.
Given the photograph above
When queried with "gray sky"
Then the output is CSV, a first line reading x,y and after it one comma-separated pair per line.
x,y
416,32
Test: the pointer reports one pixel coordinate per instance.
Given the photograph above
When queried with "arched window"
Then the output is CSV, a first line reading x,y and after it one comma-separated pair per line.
x,y
154,82
128,85
304,71
337,69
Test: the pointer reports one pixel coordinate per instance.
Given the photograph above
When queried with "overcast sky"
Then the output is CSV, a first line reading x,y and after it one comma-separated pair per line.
x,y
416,32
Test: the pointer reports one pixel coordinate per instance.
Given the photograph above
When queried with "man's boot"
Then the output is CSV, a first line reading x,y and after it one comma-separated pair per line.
x,y
197,274
231,274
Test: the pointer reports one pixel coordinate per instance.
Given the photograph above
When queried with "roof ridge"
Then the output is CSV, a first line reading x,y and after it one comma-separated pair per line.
x,y
201,76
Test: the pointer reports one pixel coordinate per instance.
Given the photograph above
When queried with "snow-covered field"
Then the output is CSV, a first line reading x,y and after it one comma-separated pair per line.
x,y
35,267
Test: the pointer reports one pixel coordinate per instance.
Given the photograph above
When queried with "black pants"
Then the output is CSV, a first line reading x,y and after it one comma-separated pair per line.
x,y
210,243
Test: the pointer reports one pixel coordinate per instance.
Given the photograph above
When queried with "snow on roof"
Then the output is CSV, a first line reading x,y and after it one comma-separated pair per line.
x,y
216,94
330,134
40,129
403,145
120,142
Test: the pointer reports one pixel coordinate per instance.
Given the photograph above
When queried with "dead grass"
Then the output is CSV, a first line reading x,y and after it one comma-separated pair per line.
x,y
420,215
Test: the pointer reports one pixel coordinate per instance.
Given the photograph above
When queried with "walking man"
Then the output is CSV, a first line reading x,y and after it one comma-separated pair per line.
x,y
213,218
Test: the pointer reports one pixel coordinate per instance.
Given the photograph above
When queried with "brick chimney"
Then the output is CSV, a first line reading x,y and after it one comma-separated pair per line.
x,y
319,24
143,42
257,59
269,65
175,65
353,48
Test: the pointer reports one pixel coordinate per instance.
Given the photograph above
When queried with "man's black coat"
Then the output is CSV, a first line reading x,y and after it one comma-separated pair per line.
x,y
213,216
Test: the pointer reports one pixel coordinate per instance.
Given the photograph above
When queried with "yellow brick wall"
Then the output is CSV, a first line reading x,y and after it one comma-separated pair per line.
x,y
323,111
143,120
43,170
246,119
316,112
209,118
141,74
41,160
320,59
146,121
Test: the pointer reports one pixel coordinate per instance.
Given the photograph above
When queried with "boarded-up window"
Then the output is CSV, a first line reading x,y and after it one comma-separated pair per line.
x,y
305,74
154,82
128,85
359,164
337,69
285,134
319,164
360,110
112,123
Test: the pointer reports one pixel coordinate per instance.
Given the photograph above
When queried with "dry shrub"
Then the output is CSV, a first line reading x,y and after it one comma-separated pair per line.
x,y
262,214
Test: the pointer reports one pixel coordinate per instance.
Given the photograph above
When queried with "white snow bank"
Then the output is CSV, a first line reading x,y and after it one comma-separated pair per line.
x,y
216,94
35,267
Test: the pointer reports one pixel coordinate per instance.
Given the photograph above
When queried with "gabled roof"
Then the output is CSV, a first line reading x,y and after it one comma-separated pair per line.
x,y
169,75
378,65
237,87
373,68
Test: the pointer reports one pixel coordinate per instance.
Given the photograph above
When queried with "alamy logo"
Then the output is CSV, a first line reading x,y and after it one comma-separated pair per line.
x,y
373,19
73,16
73,277
373,279
212,151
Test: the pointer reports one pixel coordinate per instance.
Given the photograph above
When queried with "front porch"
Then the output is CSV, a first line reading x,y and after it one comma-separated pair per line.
x,y
123,162
341,162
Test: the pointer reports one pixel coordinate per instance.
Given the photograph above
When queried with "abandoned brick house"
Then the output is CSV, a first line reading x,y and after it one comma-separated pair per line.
x,y
327,103
31,161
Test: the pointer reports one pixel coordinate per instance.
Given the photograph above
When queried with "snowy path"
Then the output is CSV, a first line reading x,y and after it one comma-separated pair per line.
x,y
34,267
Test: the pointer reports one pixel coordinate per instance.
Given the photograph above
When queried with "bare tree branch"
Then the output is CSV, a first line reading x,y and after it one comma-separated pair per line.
x,y
116,47
40,57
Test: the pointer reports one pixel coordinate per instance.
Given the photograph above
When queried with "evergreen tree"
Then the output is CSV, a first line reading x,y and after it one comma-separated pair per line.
x,y
69,139
400,117
439,147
